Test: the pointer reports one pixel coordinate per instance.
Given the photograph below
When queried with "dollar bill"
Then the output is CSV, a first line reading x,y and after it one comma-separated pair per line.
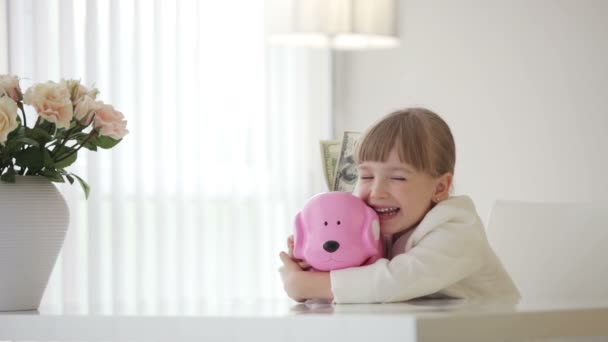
x,y
330,151
345,177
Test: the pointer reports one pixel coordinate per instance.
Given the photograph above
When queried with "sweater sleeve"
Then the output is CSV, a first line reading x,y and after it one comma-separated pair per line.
x,y
444,256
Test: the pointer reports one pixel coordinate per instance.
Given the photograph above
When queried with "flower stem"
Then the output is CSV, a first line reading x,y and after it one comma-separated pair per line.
x,y
65,140
91,136
80,126
20,105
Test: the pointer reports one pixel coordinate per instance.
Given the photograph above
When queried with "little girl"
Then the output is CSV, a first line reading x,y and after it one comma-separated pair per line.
x,y
438,247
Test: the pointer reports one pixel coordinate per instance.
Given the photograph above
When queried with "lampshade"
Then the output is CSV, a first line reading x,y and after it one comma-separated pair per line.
x,y
338,24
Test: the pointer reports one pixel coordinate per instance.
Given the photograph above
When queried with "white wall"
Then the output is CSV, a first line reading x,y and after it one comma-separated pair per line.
x,y
522,83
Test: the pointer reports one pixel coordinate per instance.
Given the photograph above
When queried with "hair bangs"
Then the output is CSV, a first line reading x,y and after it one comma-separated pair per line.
x,y
418,135
376,144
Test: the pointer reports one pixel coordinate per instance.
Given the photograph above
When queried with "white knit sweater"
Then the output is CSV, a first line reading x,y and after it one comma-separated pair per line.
x,y
447,254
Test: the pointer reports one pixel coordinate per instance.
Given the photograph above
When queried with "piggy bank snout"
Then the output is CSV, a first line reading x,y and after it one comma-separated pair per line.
x,y
331,246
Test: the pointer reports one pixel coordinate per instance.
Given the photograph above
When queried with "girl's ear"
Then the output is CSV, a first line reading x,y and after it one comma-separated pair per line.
x,y
442,187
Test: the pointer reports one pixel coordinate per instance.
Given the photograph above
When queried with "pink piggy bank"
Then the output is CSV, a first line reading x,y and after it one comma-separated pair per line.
x,y
337,230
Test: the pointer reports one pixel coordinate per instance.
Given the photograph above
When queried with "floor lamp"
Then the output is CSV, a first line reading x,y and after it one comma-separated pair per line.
x,y
333,25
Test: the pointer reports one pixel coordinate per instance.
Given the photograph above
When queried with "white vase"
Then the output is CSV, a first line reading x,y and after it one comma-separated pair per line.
x,y
34,219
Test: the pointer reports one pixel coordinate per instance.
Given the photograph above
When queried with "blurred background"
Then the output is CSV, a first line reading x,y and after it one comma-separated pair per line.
x,y
196,202
194,205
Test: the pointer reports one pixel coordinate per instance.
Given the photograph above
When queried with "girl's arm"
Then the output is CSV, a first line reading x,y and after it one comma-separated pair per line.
x,y
448,245
301,285
443,257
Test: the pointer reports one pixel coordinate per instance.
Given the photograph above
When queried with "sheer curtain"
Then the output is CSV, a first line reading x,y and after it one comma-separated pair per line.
x,y
3,38
194,204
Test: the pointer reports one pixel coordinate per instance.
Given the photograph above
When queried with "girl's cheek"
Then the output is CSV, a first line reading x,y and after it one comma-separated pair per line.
x,y
361,191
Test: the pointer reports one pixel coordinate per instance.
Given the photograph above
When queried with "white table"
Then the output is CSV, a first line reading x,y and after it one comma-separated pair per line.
x,y
422,320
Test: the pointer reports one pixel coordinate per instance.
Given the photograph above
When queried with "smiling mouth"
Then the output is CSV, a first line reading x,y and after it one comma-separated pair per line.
x,y
387,212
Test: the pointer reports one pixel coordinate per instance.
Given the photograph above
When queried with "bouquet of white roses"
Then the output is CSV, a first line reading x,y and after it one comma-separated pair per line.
x,y
69,118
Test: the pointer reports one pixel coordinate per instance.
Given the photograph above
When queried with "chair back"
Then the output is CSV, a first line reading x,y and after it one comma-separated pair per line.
x,y
553,250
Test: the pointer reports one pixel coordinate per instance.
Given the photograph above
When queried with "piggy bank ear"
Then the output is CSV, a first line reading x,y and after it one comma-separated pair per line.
x,y
299,236
371,232
376,229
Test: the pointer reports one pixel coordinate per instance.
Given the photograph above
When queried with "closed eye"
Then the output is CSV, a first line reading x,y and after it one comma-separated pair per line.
x,y
366,177
398,178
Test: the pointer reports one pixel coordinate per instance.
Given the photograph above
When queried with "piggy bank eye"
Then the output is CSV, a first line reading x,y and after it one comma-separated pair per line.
x,y
338,223
325,223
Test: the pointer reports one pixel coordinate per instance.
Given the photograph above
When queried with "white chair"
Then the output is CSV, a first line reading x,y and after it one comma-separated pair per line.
x,y
553,251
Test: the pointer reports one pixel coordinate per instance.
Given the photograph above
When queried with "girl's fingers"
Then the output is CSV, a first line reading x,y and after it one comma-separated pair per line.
x,y
304,265
289,262
285,258
290,245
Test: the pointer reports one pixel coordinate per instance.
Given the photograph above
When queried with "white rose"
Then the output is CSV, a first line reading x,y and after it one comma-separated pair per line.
x,y
87,105
52,102
78,91
110,122
8,117
9,85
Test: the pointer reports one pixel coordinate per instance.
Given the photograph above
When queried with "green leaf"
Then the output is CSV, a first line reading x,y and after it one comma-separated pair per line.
x,y
63,152
19,132
12,146
67,161
84,185
39,134
48,126
9,176
28,141
90,146
48,160
69,178
80,136
52,175
82,139
105,142
31,157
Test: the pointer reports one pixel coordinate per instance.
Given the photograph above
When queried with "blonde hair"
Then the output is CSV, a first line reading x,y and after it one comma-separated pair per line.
x,y
422,138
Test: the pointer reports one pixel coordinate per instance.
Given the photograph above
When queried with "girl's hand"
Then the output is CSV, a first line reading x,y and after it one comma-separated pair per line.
x,y
301,285
289,274
303,264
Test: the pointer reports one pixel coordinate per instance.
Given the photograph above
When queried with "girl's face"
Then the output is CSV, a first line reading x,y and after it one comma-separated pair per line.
x,y
397,192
